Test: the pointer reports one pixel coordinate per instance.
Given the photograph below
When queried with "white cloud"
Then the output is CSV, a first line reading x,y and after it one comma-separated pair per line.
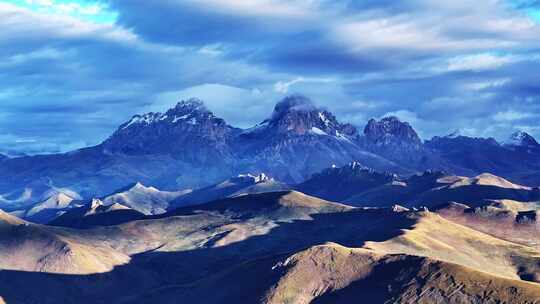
x,y
511,115
364,105
283,87
258,8
404,115
408,34
479,62
212,49
241,107
479,86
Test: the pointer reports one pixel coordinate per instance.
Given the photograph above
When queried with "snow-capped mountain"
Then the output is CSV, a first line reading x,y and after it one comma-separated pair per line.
x,y
522,139
188,131
300,139
297,115
189,147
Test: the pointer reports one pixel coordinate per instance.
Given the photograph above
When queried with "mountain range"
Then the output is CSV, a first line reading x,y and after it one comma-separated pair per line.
x,y
188,147
301,208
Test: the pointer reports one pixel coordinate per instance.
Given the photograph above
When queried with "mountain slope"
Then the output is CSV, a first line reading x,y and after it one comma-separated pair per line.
x,y
435,189
435,237
340,183
478,155
96,213
338,274
45,211
270,247
509,220
147,200
29,247
240,185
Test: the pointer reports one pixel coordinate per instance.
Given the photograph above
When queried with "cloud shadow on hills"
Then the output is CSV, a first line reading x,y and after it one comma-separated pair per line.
x,y
152,270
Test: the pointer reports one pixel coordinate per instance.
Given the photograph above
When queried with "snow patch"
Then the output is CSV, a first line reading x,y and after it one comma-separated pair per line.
x,y
323,118
318,131
146,119
178,118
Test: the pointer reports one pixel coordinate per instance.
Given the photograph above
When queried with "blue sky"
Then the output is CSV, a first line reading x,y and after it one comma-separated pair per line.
x,y
72,71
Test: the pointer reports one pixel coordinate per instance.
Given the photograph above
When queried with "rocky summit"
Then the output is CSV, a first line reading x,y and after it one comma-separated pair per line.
x,y
189,126
390,131
522,139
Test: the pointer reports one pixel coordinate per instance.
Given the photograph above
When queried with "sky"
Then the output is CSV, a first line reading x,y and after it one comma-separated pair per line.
x,y
72,71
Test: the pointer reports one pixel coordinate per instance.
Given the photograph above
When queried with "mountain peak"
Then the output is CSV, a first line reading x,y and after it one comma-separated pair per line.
x,y
454,134
293,103
190,111
188,106
187,129
137,186
521,138
297,114
95,203
391,131
255,179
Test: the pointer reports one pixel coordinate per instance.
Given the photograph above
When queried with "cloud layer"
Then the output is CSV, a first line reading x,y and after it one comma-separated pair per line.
x,y
67,80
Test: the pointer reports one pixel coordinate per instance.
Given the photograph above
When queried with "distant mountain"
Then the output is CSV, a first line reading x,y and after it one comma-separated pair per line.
x,y
401,191
188,147
339,183
391,136
96,213
470,156
147,200
300,139
522,139
189,132
396,140
241,185
436,189
278,205
50,208
363,187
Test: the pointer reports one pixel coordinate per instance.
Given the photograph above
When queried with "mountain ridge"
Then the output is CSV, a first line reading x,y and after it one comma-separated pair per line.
x,y
189,147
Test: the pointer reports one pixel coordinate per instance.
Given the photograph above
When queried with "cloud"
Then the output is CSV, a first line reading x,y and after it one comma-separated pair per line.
x,y
511,115
71,73
283,87
479,62
484,85
74,79
241,107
